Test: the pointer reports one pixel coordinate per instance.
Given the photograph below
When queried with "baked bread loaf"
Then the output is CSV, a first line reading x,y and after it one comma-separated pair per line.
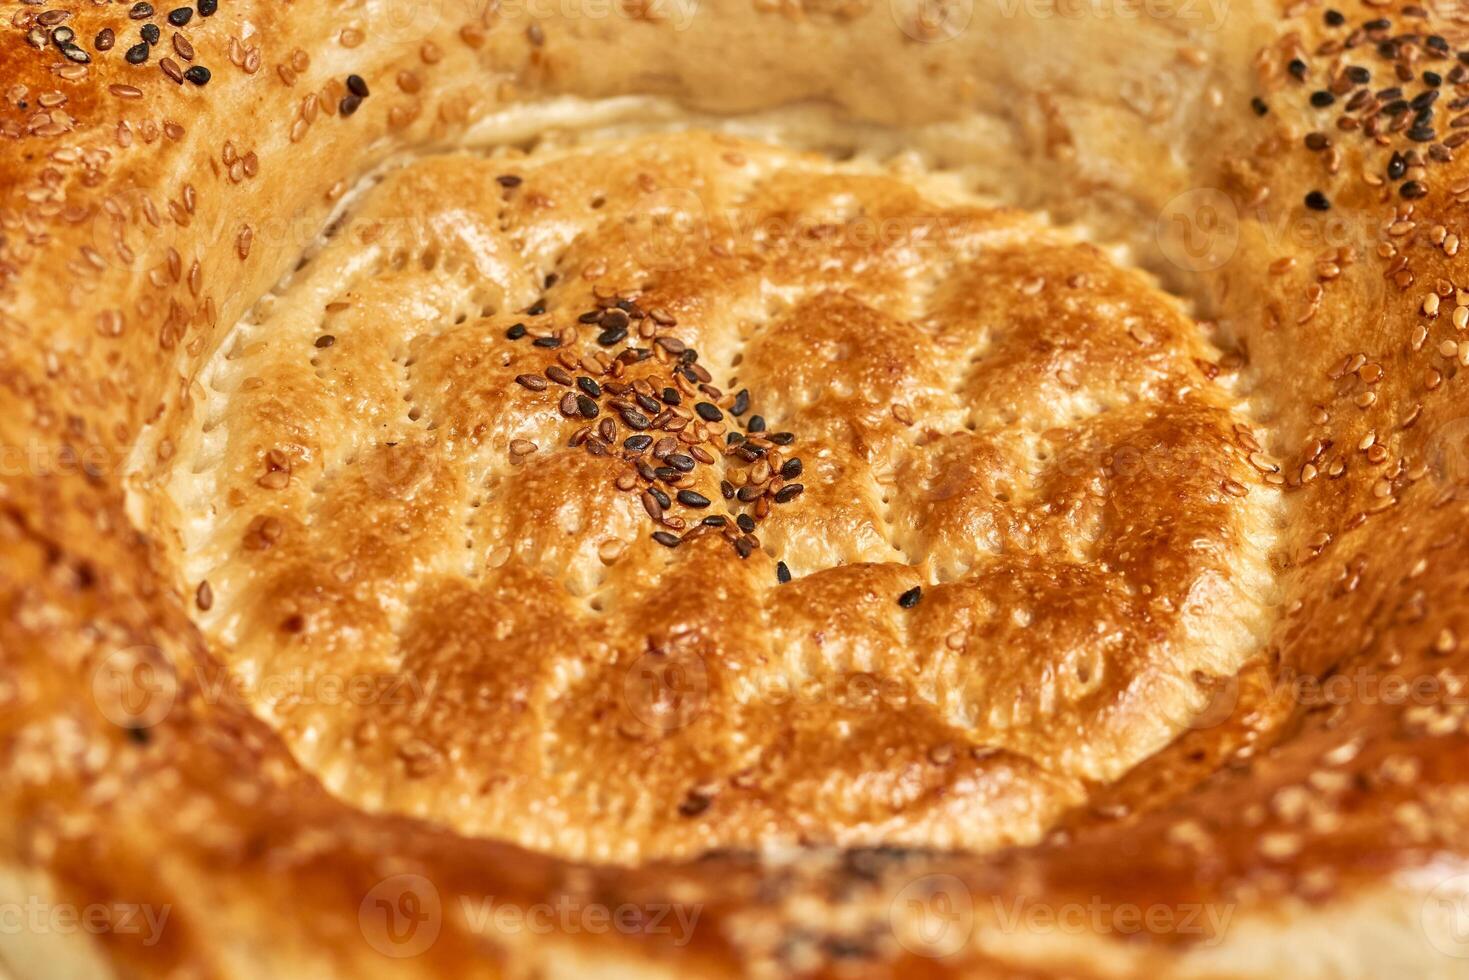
x,y
847,489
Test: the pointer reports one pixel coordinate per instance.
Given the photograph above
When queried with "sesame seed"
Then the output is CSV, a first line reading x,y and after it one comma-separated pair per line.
x,y
559,374
1322,99
550,343
782,573
515,332
746,523
910,598
691,498
508,180
568,406
151,34
709,412
349,104
207,8
179,16
140,11
1317,201
104,39
589,386
325,341
1258,105
198,75
788,493
357,86
586,406
666,539
137,54
531,381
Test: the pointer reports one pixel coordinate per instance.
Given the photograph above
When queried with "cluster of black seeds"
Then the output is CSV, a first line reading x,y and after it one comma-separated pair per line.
x,y
665,427
1387,84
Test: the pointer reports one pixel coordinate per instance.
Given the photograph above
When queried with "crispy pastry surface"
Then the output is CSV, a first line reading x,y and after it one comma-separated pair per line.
x,y
303,644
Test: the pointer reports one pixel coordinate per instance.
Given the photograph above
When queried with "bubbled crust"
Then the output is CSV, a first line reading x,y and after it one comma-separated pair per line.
x,y
1090,553
1318,824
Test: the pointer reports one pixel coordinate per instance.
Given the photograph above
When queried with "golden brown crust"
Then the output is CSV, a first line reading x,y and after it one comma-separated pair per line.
x,y
136,231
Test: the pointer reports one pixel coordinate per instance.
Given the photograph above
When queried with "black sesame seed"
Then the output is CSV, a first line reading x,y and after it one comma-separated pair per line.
x,y
1419,134
741,402
1358,75
791,469
589,386
179,16
709,412
746,523
1297,67
1259,106
1438,43
76,54
536,308
104,40
325,341
665,538
1335,18
671,396
1317,201
151,33
137,54
611,336
788,493
1381,24
661,497
1413,190
1396,166
634,419
782,573
1424,99
208,7
692,498
680,462
140,11
1322,99
747,493
726,489
1432,78
515,332
757,423
357,86
783,438
349,104
508,180
1316,142
139,735
637,444
910,598
559,374
532,381
549,342
744,547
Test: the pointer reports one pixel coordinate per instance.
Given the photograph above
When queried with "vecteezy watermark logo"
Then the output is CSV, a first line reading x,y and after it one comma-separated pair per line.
x,y
135,687
401,916
569,916
666,690
670,229
1198,230
1448,457
36,917
933,915
932,21
1445,917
